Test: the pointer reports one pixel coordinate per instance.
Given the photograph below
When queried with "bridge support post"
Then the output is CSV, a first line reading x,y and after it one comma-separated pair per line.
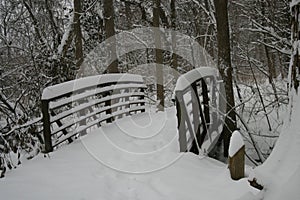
x,y
236,159
237,164
47,128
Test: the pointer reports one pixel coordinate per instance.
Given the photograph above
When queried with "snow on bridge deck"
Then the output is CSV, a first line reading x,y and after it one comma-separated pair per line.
x,y
133,158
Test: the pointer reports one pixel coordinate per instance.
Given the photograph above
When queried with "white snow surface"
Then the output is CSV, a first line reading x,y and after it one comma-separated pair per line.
x,y
280,173
135,158
294,2
81,83
236,143
188,78
66,35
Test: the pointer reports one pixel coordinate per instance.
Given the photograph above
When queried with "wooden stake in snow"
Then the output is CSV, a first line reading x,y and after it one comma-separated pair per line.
x,y
237,156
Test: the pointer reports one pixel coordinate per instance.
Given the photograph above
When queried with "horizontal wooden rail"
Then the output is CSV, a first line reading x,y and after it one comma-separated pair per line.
x,y
71,108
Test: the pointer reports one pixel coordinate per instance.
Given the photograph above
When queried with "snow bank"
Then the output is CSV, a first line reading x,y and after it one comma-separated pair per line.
x,y
236,143
280,173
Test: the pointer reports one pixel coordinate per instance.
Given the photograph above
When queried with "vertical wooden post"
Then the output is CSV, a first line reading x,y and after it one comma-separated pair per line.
x,y
46,126
205,102
126,99
236,159
237,164
203,134
180,124
196,109
108,111
141,98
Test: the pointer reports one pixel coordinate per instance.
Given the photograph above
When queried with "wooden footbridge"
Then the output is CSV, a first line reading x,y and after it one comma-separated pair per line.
x,y
72,108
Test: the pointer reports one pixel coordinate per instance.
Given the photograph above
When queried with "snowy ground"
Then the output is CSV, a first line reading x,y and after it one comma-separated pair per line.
x,y
136,158
280,173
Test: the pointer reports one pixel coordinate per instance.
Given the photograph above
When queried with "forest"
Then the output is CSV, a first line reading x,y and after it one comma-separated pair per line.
x,y
254,44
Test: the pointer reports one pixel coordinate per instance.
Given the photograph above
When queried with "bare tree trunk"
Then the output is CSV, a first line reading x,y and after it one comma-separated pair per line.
x,y
173,26
109,25
225,68
128,14
158,56
270,61
35,23
78,34
54,28
295,53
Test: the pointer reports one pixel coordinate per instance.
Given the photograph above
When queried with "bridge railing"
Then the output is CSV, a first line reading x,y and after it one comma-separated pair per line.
x,y
200,104
70,108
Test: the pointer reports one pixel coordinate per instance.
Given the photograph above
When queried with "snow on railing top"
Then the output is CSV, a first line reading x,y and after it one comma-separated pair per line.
x,y
87,82
190,77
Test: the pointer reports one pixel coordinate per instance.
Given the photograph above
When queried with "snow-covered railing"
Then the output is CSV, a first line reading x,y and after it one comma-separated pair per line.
x,y
200,101
70,108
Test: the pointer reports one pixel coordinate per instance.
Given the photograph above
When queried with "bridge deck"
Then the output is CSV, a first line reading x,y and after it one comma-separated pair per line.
x,y
85,169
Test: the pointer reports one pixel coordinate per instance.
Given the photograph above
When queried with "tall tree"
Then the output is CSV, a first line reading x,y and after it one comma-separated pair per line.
x,y
270,57
109,25
158,56
78,34
225,68
295,64
173,26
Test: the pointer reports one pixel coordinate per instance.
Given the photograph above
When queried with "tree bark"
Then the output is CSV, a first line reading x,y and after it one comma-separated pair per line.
x,y
295,64
173,26
225,68
55,29
109,25
78,34
158,56
128,14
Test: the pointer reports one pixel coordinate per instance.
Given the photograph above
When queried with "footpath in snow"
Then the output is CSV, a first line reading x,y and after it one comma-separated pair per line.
x,y
134,158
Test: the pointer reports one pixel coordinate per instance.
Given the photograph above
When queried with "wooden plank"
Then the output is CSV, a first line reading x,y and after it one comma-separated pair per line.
x,y
110,93
59,124
98,111
95,122
93,92
85,106
57,91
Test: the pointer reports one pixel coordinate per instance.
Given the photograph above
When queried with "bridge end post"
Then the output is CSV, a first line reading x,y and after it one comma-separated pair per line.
x,y
236,159
180,124
237,164
46,126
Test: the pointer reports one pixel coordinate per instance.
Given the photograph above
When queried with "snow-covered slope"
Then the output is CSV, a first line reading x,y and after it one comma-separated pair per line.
x,y
135,158
280,173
